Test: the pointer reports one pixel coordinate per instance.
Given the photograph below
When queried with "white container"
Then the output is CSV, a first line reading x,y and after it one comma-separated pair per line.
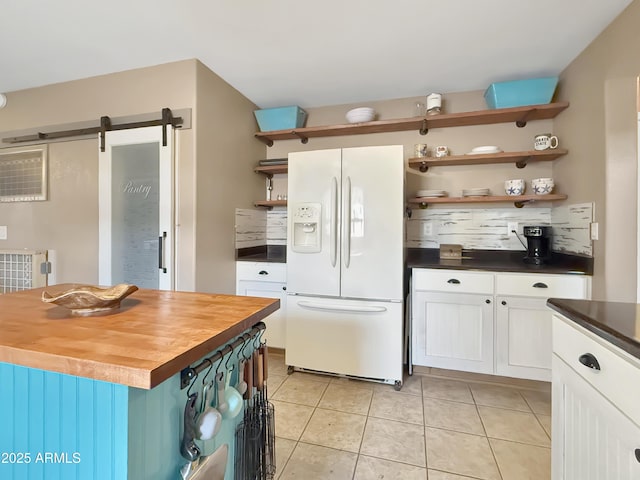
x,y
361,114
434,103
514,187
542,186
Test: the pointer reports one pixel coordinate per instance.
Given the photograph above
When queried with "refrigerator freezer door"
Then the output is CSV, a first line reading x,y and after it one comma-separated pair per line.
x,y
373,230
346,337
314,177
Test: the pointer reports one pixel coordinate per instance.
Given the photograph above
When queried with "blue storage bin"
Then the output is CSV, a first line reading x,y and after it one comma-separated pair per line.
x,y
518,93
280,118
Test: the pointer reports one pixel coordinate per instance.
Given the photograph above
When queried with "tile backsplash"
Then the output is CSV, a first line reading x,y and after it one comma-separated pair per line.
x,y
486,228
261,227
481,229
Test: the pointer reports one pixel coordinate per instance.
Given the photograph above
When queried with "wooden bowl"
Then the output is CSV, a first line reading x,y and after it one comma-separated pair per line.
x,y
89,299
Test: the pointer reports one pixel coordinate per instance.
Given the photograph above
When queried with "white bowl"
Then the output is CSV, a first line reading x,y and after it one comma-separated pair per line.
x,y
361,114
514,187
542,186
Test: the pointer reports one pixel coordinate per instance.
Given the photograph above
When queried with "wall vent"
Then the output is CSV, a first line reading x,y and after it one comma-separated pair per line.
x,y
22,270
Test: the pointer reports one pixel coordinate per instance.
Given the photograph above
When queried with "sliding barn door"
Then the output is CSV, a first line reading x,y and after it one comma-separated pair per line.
x,y
136,225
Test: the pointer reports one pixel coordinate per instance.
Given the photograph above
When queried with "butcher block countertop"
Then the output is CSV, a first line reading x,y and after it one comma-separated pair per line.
x,y
153,335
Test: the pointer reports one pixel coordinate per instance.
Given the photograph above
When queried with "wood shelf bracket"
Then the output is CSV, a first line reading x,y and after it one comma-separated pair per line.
x,y
424,130
523,163
522,121
302,138
266,140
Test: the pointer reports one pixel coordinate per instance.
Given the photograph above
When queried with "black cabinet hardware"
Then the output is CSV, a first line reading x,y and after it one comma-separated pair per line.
x,y
589,360
453,281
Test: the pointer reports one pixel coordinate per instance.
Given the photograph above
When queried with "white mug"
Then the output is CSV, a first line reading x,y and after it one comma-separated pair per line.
x,y
420,150
545,141
442,151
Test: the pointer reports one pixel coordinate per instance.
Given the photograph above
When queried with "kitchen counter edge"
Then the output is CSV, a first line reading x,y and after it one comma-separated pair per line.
x,y
614,322
499,261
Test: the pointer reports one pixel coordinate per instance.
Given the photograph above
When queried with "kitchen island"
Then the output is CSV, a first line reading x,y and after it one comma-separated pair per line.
x,y
99,397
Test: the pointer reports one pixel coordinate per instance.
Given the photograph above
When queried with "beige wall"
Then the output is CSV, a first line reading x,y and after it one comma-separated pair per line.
x,y
226,154
214,168
600,131
68,221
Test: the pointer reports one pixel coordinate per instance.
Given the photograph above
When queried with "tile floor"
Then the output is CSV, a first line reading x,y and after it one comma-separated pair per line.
x,y
437,428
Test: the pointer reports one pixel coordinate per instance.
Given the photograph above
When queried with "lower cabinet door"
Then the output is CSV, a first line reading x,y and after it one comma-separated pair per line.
x,y
523,338
453,331
591,438
275,333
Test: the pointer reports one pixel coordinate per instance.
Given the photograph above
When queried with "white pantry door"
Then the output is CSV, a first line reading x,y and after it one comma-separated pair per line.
x,y
136,214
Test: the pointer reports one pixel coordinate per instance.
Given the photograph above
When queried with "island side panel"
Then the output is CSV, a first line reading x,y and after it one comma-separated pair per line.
x,y
61,426
156,418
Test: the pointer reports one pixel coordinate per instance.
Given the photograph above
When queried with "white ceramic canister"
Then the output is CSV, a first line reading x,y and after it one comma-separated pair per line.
x,y
434,103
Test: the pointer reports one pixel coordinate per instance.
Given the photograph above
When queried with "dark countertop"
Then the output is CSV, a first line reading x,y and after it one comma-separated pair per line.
x,y
263,253
617,323
498,261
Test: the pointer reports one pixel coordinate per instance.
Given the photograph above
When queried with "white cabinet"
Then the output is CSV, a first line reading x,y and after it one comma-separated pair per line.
x,y
456,326
264,279
523,321
452,325
595,432
453,331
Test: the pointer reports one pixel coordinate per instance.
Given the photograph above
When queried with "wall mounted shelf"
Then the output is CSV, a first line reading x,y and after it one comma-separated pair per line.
x,y
521,159
519,115
271,203
518,200
270,170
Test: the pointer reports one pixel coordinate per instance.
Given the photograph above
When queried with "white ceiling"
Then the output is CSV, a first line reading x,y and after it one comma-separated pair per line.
x,y
286,52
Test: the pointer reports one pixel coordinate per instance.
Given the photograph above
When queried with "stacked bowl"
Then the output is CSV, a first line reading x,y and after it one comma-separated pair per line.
x,y
542,186
359,115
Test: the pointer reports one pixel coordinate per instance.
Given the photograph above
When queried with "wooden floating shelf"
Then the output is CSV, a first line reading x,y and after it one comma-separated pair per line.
x,y
517,200
271,169
521,159
519,115
271,203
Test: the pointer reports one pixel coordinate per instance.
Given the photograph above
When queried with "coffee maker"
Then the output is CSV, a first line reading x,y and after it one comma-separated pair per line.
x,y
538,251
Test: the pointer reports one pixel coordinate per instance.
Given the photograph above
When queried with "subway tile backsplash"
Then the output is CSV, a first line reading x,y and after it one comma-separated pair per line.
x,y
482,229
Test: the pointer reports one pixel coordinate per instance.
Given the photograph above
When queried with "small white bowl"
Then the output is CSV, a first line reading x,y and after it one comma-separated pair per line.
x,y
514,187
542,186
361,114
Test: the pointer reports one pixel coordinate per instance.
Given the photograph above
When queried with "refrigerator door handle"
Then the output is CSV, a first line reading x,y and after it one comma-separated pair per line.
x,y
340,308
346,223
334,221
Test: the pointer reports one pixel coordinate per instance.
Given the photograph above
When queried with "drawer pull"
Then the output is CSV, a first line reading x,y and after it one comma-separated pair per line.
x,y
637,452
540,285
453,281
263,272
589,360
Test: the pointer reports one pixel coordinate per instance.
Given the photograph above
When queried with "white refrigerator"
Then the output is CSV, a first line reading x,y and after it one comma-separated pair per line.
x,y
345,262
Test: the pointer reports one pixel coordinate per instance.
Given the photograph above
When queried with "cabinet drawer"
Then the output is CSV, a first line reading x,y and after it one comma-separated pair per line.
x,y
261,271
619,376
452,281
541,285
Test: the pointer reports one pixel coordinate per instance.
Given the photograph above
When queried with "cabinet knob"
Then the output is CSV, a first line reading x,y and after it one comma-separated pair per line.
x,y
540,285
503,302
263,272
453,281
284,288
589,360
487,301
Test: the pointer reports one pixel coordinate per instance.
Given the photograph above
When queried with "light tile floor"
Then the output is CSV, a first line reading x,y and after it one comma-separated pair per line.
x,y
437,428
